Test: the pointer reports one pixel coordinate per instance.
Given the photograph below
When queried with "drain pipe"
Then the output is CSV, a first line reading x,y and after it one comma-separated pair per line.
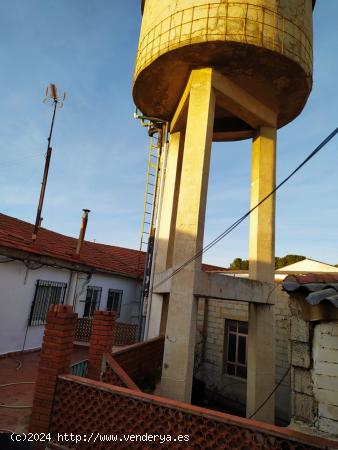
x,y
73,276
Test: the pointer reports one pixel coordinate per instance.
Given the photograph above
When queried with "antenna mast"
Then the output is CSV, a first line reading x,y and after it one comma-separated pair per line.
x,y
52,98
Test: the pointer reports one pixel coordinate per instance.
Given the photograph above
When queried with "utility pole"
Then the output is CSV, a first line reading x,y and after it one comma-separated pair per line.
x,y
51,97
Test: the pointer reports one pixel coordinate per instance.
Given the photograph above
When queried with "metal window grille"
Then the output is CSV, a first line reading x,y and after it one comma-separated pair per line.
x,y
80,368
235,355
114,300
47,293
92,301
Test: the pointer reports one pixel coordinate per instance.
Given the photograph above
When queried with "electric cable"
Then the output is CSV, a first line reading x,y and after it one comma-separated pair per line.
x,y
271,394
241,219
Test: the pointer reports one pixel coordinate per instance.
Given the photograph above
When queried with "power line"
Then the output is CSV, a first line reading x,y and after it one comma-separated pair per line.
x,y
271,394
241,219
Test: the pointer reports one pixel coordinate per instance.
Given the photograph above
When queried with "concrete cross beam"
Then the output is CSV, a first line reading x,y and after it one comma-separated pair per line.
x,y
231,98
221,287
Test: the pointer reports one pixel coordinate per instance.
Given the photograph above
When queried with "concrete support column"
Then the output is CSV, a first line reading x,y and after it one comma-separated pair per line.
x,y
261,340
178,360
101,341
167,222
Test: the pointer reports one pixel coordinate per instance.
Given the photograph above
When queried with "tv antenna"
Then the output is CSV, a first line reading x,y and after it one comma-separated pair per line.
x,y
52,98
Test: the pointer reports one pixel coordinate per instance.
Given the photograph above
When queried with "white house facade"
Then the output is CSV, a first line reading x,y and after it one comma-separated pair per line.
x,y
33,276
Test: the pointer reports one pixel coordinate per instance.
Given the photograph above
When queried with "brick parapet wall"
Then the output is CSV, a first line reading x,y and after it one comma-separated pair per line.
x,y
116,410
55,358
101,341
124,333
114,374
141,358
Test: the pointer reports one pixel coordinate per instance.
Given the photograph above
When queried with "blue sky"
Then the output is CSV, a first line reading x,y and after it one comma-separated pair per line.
x,y
99,156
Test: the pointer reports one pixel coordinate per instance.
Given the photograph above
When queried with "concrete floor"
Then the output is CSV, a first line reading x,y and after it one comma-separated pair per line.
x,y
16,369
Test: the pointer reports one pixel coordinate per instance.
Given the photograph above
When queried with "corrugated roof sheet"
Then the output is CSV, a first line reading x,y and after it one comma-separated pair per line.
x,y
320,287
17,234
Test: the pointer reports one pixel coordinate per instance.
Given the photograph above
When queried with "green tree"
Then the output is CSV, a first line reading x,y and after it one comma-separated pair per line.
x,y
287,260
239,264
243,264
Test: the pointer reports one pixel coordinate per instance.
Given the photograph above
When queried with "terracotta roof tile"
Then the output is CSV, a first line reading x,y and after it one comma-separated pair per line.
x,y
17,234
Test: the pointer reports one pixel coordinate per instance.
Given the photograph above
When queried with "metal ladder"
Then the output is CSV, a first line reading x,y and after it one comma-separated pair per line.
x,y
151,190
157,136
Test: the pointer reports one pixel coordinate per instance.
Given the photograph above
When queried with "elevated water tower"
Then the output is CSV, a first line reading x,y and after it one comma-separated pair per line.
x,y
218,70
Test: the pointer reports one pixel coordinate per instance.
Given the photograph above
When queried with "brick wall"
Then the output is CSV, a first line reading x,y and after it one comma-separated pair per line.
x,y
114,374
124,333
55,357
82,407
141,358
101,341
211,323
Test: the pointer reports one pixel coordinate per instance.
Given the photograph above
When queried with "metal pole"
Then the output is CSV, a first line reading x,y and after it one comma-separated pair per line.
x,y
45,176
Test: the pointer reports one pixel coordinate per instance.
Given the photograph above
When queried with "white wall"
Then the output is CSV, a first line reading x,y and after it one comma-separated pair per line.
x,y
130,297
17,288
325,375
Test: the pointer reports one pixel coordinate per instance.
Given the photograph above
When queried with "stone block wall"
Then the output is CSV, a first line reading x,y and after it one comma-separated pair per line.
x,y
304,407
314,358
325,375
210,329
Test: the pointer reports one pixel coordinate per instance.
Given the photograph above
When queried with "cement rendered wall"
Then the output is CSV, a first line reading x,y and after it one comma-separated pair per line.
x,y
17,288
325,375
314,357
230,389
130,297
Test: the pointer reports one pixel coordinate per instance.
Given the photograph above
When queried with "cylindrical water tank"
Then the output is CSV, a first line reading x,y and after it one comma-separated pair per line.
x,y
263,45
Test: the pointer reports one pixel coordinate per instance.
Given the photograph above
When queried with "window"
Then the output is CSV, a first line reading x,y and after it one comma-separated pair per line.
x,y
114,300
46,293
92,301
235,355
